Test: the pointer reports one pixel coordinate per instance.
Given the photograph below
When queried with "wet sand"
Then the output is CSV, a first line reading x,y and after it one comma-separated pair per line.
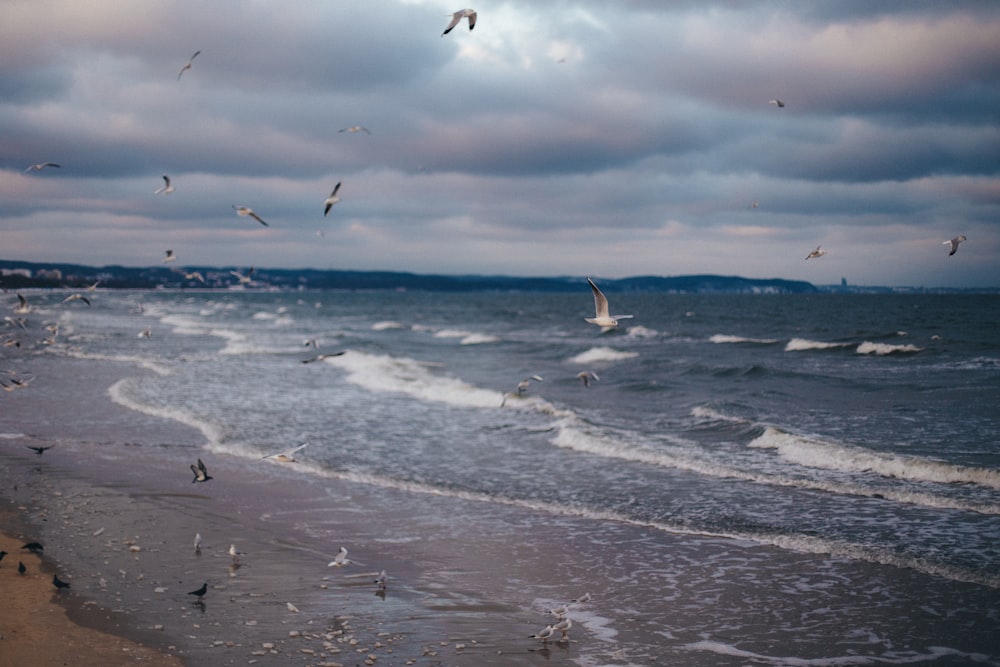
x,y
117,511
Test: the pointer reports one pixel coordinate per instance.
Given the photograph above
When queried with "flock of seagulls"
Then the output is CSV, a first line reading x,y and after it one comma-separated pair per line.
x,y
562,624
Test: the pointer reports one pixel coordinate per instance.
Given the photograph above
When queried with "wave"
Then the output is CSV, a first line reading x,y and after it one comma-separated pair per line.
x,y
468,337
640,331
142,362
120,394
893,658
802,344
834,456
384,373
880,349
596,354
727,339
385,325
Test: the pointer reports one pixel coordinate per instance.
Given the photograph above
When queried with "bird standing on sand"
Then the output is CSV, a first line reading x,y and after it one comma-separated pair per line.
x,y
458,16
200,473
234,554
247,211
355,128
201,591
818,252
544,634
58,583
2,554
602,316
954,243
332,199
77,297
197,543
169,256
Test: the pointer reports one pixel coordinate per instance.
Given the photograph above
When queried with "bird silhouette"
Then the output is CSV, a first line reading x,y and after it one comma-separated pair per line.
x,y
33,547
21,569
200,473
58,583
201,591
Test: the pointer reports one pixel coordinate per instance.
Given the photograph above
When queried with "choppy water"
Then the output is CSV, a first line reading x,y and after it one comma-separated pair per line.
x,y
815,479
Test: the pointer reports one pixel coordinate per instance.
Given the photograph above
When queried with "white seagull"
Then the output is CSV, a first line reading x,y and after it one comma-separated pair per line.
x,y
188,65
777,103
247,211
194,275
582,599
380,580
340,559
167,187
458,16
43,165
818,252
355,128
954,243
22,308
544,634
587,376
332,199
169,256
234,554
244,279
77,297
287,456
602,317
197,543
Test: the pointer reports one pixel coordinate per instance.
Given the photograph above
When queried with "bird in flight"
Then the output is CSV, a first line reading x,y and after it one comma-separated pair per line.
x,y
818,252
246,211
244,279
169,256
287,456
954,243
458,16
200,473
43,165
167,187
188,65
77,297
777,103
39,450
340,559
332,199
587,376
355,128
602,317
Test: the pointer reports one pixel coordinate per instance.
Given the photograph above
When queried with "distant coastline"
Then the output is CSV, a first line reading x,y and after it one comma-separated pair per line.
x,y
56,275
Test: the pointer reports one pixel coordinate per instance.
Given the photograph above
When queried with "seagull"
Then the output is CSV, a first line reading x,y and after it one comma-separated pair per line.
x,y
245,211
292,608
244,279
560,611
201,591
777,103
197,543
458,16
602,318
146,333
380,580
77,297
200,473
563,626
22,307
93,287
170,256
355,128
39,450
321,357
166,189
340,559
587,376
287,456
194,275
58,583
544,634
234,554
522,387
34,547
332,199
43,165
582,599
818,252
954,243
188,66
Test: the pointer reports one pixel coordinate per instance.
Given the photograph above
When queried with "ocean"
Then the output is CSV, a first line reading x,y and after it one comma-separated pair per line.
x,y
753,479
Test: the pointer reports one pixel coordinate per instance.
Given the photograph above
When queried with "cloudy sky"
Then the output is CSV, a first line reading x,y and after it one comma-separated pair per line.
x,y
557,138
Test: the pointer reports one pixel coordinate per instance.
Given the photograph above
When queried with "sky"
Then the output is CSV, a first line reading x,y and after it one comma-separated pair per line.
x,y
609,139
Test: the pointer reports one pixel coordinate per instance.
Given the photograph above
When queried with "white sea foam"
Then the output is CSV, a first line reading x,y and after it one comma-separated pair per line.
x,y
386,325
802,344
385,373
895,658
12,436
119,393
835,456
640,331
598,354
468,337
880,349
703,412
142,362
728,339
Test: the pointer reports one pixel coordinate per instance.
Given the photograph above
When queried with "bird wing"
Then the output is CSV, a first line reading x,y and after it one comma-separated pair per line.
x,y
455,18
600,301
258,218
336,189
472,20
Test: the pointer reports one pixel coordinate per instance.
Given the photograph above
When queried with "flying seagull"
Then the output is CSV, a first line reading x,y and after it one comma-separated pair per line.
x,y
167,187
39,450
818,252
201,591
169,256
355,128
587,376
21,569
22,307
332,199
43,165
340,559
77,297
380,580
245,211
954,243
458,16
200,473
777,103
194,275
58,583
287,456
244,279
602,317
188,65
321,357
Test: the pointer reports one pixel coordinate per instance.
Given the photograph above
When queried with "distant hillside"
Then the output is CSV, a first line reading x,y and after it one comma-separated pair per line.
x,y
19,275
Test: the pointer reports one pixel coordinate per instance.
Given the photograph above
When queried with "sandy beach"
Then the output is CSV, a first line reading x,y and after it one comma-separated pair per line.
x,y
116,510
